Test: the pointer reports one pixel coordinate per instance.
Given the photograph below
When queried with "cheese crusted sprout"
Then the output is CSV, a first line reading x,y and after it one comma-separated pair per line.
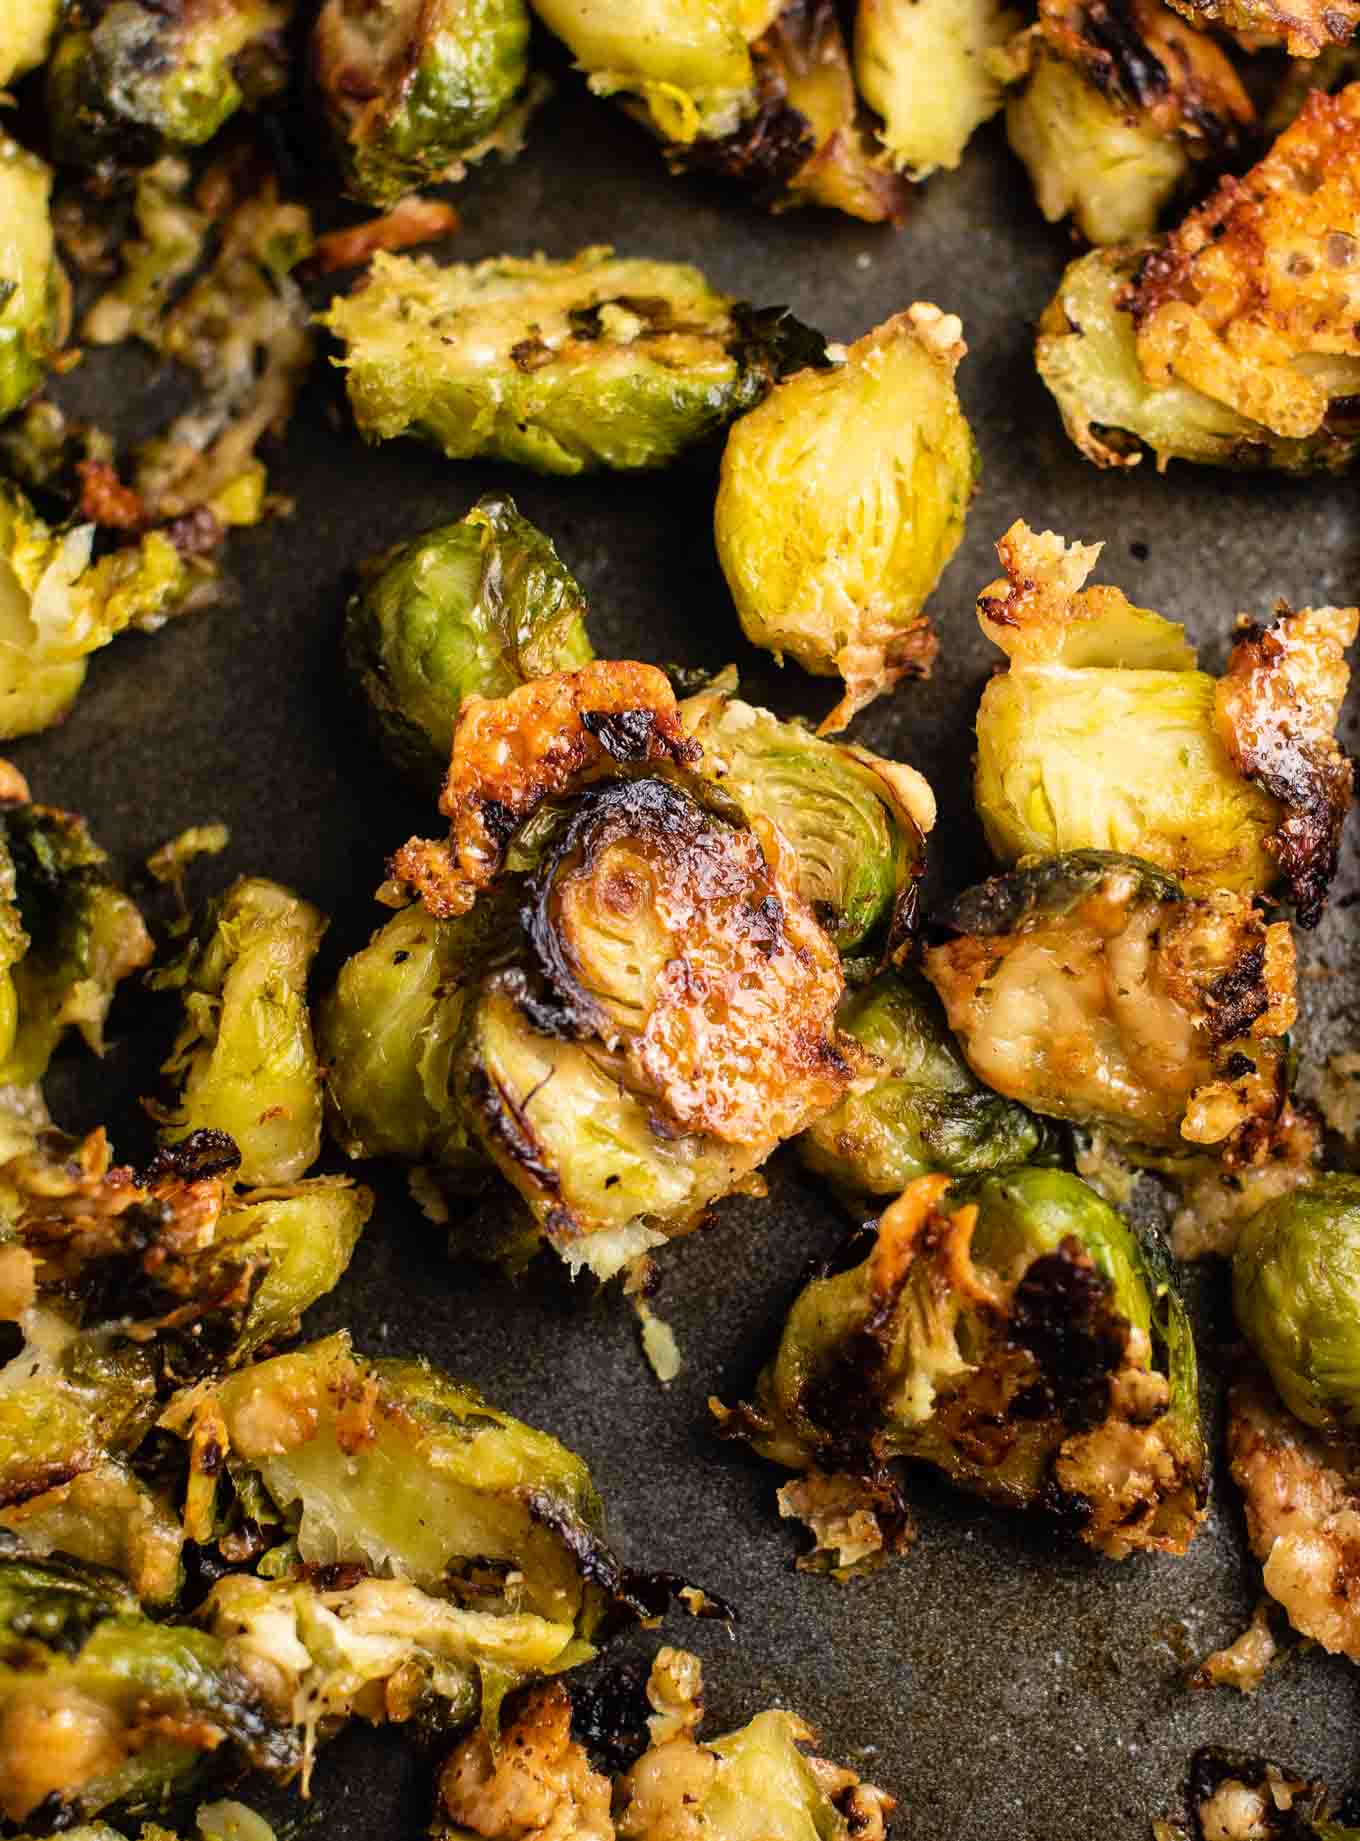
x,y
1104,735
764,1777
1233,340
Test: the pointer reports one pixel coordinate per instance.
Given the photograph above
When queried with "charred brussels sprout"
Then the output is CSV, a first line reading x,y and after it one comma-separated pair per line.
x,y
1015,1334
926,66
919,1109
659,1011
1103,735
100,1705
1088,987
244,1060
122,1289
1218,343
58,604
84,937
466,1548
841,500
857,823
131,77
469,609
1306,28
412,89
1113,106
599,361
806,141
1296,1291
26,28
686,62
760,1778
35,305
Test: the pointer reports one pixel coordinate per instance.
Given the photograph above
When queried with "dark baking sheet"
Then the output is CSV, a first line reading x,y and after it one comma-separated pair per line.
x,y
999,1683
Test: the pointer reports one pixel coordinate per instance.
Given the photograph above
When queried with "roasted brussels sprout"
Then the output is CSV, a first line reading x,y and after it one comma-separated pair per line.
x,y
920,1110
1113,105
1103,735
1301,1493
57,605
807,141
99,1705
130,77
84,937
26,28
841,500
469,609
599,361
1306,28
1014,1333
411,90
481,1538
244,1061
1296,1291
1227,342
663,975
35,297
686,62
1230,1796
926,66
123,1288
759,1777
857,823
1087,986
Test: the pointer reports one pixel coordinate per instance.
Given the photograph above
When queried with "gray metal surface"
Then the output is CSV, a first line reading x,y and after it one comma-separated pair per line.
x,y
1000,1684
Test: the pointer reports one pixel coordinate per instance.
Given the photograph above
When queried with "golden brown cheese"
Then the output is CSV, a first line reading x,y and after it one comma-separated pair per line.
x,y
1263,275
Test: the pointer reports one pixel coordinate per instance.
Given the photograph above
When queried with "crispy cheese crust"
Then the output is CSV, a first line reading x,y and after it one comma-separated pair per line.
x,y
512,753
1277,708
1267,271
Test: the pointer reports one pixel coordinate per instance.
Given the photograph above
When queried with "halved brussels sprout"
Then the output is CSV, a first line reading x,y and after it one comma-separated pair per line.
x,y
1087,986
123,1288
26,28
100,1705
1301,1493
665,971
919,1109
84,937
857,823
760,1779
1306,28
431,1544
57,605
35,297
1296,1291
1103,735
1233,340
598,361
686,61
1016,1334
807,141
842,498
411,90
1110,113
244,1060
468,609
1231,1796
926,66
129,77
